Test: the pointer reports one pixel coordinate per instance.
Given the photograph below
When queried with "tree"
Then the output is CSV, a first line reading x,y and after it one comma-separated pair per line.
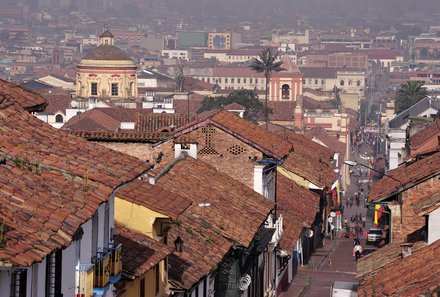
x,y
409,94
266,64
247,98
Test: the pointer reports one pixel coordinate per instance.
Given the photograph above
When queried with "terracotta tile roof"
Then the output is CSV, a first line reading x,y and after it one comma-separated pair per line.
x,y
298,207
155,198
426,134
127,136
140,253
427,204
281,111
331,142
232,205
234,106
29,100
310,103
52,182
414,275
194,84
57,103
158,122
246,131
103,119
203,250
92,120
107,52
288,66
43,209
309,159
181,106
408,174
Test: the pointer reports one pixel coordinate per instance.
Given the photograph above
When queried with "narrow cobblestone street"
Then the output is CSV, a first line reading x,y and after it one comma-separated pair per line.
x,y
334,261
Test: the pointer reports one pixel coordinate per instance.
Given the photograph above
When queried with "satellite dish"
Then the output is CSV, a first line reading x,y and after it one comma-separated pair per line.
x,y
74,104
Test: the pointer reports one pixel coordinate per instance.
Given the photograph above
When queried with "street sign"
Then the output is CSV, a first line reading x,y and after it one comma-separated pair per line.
x,y
332,214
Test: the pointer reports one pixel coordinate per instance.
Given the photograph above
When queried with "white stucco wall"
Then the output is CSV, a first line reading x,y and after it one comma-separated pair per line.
x,y
69,262
433,223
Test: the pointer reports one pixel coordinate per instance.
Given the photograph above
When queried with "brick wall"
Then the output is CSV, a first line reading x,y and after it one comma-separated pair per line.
x,y
410,221
143,151
226,153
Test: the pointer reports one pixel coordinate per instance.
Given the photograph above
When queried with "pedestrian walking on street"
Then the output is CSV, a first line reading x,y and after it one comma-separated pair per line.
x,y
364,221
357,251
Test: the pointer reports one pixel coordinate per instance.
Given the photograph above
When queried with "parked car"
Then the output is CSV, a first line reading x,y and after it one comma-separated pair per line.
x,y
344,289
374,236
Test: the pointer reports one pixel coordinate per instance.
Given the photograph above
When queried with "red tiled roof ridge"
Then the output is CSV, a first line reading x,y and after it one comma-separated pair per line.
x,y
29,100
424,135
143,193
130,136
140,253
406,176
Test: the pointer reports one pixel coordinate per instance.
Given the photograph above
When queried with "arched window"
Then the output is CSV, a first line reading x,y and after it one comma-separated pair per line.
x,y
341,82
59,118
285,92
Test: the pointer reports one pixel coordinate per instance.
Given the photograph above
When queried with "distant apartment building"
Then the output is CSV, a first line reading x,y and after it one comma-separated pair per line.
x,y
233,55
235,78
355,42
290,36
132,37
219,41
335,60
187,39
176,54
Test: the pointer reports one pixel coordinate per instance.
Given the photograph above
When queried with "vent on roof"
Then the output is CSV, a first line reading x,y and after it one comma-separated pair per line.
x,y
208,149
236,149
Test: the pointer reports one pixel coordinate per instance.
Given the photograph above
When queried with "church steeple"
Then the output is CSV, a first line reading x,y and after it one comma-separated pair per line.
x,y
106,38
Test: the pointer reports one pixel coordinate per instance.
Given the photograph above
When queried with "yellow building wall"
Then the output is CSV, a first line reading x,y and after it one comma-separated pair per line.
x,y
133,288
136,217
104,73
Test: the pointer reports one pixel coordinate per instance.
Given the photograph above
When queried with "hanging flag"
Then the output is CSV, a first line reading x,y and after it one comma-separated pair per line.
x,y
338,193
377,214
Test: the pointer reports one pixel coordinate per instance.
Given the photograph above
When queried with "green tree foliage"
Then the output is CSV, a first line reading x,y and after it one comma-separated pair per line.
x,y
266,63
247,98
409,94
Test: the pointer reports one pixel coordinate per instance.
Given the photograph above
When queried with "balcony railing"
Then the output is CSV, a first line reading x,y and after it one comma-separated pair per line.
x,y
101,271
84,280
115,252
277,224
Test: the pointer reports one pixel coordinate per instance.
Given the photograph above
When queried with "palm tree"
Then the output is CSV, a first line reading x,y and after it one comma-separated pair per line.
x,y
409,94
266,63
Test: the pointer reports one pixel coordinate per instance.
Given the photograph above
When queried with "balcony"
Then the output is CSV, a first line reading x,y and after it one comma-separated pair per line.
x,y
84,280
107,268
101,272
277,224
115,252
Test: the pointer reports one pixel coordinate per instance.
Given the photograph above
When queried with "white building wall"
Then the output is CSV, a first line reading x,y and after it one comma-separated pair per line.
x,y
5,282
69,262
101,215
86,243
433,223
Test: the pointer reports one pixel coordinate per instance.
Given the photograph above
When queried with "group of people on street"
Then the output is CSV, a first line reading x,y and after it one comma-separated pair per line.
x,y
354,227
